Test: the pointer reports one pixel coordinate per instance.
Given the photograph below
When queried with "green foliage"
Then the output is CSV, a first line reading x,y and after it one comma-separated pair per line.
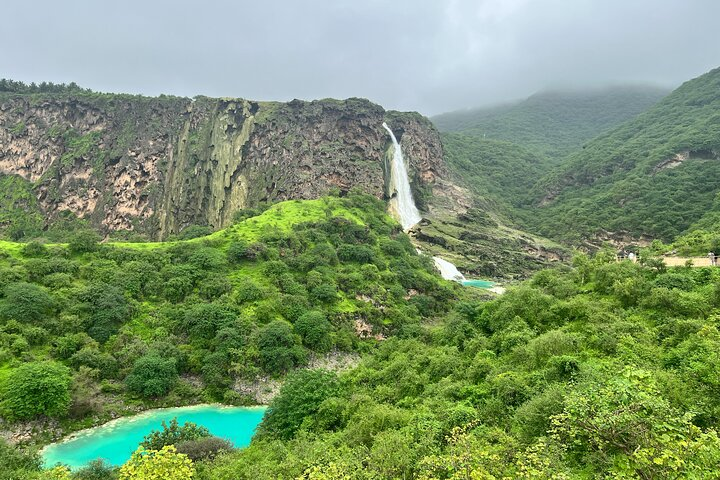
x,y
205,448
37,388
553,123
152,376
173,434
105,308
127,319
156,464
606,370
26,302
278,348
622,181
17,463
300,396
84,241
96,470
314,329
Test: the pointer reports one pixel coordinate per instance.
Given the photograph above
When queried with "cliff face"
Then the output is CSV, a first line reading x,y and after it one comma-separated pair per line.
x,y
157,165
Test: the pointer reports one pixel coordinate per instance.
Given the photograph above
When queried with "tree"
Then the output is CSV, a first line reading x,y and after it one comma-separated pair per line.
x,y
152,376
205,448
165,463
84,241
300,396
37,388
26,302
278,349
106,308
315,330
173,434
16,462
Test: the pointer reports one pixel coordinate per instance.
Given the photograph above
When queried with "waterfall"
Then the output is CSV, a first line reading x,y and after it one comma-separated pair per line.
x,y
448,271
402,204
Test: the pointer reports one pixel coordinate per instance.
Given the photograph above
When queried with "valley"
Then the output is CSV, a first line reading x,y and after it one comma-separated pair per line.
x,y
399,297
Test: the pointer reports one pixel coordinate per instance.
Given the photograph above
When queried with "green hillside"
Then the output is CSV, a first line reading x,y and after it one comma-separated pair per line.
x,y
654,175
499,173
555,122
260,298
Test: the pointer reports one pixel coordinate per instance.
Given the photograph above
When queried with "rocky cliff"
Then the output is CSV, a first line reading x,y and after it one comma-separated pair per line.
x,y
157,165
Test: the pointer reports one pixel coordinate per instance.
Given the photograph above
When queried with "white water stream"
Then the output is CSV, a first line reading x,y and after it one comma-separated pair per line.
x,y
402,203
447,270
402,206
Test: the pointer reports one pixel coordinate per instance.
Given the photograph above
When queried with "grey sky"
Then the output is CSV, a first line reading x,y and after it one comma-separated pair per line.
x,y
430,56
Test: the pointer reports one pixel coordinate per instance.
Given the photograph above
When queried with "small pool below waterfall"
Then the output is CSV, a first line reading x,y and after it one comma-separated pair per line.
x,y
116,440
478,283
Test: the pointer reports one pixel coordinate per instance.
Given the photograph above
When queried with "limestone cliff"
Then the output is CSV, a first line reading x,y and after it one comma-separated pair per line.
x,y
157,165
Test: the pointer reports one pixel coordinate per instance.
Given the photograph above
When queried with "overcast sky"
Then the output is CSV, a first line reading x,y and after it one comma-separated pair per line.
x,y
430,56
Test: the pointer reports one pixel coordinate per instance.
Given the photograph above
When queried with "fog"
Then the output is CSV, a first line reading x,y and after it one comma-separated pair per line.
x,y
429,56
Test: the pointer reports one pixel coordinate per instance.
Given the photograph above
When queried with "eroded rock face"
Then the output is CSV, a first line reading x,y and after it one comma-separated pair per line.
x,y
157,165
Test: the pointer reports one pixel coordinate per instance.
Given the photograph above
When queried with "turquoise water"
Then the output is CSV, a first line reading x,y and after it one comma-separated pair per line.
x,y
478,283
116,440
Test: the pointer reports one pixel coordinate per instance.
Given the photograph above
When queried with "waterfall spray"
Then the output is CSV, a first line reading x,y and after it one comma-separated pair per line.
x,y
402,204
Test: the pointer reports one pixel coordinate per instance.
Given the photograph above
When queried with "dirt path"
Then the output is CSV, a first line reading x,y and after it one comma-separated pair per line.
x,y
681,261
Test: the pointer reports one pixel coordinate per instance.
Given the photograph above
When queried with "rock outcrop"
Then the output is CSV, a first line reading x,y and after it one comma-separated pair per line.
x,y
157,165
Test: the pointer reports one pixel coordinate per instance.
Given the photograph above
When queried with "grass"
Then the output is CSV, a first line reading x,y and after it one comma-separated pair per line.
x,y
282,216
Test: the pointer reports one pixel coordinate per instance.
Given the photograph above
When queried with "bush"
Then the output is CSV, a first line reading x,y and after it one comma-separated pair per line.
x,y
237,251
356,253
15,461
152,376
156,464
314,329
194,231
84,241
300,396
26,302
106,308
35,250
214,286
249,291
39,388
204,448
204,320
96,470
173,434
278,349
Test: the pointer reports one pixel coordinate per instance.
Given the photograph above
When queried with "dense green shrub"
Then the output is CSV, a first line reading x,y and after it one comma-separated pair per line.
x,y
37,388
278,349
173,434
205,448
300,396
152,376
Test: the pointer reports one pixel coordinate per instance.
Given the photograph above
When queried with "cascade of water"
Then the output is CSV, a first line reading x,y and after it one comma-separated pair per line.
x,y
402,204
448,271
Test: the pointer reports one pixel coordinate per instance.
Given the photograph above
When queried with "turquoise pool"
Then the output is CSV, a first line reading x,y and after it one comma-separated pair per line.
x,y
116,440
478,283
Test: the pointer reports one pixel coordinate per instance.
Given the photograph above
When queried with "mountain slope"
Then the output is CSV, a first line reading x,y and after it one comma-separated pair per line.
x,y
654,175
553,122
498,172
158,165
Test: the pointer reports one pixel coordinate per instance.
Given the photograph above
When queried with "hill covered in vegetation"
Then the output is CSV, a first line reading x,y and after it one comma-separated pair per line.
x,y
553,123
604,369
654,175
119,325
